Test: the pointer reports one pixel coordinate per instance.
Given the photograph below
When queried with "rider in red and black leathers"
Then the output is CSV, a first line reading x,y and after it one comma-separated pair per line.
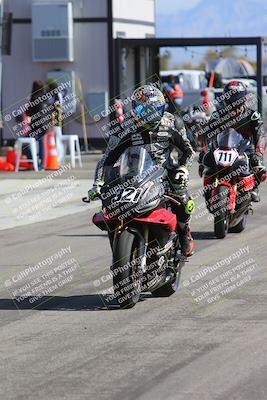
x,y
158,136
237,112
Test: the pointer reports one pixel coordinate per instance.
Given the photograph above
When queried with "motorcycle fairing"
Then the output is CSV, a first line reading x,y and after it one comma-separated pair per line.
x,y
160,216
232,188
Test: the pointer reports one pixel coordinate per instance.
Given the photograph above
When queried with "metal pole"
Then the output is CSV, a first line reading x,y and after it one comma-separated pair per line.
x,y
259,74
82,105
110,51
118,65
137,66
156,62
1,71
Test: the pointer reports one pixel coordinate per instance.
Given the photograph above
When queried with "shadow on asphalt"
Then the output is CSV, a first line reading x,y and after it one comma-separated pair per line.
x,y
203,235
92,235
90,302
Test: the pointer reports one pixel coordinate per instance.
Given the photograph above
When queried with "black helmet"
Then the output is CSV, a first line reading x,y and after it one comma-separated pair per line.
x,y
234,93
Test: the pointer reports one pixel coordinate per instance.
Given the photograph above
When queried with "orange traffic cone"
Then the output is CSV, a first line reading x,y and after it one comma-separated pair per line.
x,y
11,157
51,161
6,166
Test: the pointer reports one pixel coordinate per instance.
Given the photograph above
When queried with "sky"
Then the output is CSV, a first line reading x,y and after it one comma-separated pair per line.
x,y
210,18
164,6
172,15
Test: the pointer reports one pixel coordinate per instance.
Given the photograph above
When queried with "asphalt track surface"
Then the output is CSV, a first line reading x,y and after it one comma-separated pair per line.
x,y
76,344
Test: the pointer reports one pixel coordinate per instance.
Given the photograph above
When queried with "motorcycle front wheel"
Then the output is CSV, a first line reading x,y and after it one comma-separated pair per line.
x,y
127,279
221,213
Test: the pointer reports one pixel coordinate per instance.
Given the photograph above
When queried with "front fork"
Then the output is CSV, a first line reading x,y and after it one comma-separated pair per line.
x,y
233,194
143,241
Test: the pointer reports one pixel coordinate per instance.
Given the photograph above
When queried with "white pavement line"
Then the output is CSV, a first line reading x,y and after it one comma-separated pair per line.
x,y
51,200
26,201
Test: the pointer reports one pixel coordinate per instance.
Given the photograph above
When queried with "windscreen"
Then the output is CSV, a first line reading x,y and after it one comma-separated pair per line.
x,y
229,139
135,161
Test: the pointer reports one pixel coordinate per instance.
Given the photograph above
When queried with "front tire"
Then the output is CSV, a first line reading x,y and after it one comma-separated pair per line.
x,y
127,277
221,217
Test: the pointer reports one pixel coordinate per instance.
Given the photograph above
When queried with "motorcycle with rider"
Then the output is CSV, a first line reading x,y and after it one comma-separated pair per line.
x,y
145,197
234,123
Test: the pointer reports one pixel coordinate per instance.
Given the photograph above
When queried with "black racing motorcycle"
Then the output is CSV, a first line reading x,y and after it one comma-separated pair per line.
x,y
228,183
137,213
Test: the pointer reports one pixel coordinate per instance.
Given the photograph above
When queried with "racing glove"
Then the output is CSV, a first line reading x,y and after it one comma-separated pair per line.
x,y
95,191
256,160
181,177
258,167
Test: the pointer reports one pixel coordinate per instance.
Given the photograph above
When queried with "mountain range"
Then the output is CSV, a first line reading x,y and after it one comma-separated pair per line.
x,y
211,18
214,18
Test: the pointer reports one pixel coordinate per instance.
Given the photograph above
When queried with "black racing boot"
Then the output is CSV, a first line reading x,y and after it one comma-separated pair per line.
x,y
208,199
186,241
201,168
255,195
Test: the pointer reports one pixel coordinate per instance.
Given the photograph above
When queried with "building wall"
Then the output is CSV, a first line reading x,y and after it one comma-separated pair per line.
x,y
91,61
140,10
132,20
133,30
81,8
141,13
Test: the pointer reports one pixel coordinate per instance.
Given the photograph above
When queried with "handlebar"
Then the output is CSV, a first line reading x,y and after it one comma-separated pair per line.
x,y
86,200
167,197
170,198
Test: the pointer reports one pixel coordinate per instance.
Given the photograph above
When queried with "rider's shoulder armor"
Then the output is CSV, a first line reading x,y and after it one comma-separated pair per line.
x,y
255,116
113,142
178,123
171,121
251,117
167,120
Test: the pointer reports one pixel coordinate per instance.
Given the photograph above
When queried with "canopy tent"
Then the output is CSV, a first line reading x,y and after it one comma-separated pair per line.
x,y
231,68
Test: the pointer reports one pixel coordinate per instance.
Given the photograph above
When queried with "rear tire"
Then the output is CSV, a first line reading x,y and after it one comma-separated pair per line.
x,y
168,288
127,281
221,217
241,225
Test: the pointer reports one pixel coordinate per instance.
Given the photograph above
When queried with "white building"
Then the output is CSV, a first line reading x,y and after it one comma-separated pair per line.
x,y
93,25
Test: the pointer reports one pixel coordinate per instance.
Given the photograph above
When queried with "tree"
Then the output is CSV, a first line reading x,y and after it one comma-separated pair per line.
x,y
229,52
215,54
187,65
210,55
165,60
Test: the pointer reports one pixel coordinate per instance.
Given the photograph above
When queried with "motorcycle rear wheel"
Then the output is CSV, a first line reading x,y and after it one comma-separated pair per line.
x,y
241,225
168,288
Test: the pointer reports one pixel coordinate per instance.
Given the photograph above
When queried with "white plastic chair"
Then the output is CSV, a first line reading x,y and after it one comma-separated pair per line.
x,y
72,142
33,148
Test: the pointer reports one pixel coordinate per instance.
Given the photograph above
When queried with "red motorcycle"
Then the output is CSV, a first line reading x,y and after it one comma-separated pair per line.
x,y
138,216
227,173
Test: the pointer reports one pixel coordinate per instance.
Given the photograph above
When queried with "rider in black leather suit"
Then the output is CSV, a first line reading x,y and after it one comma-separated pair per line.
x,y
238,112
158,131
